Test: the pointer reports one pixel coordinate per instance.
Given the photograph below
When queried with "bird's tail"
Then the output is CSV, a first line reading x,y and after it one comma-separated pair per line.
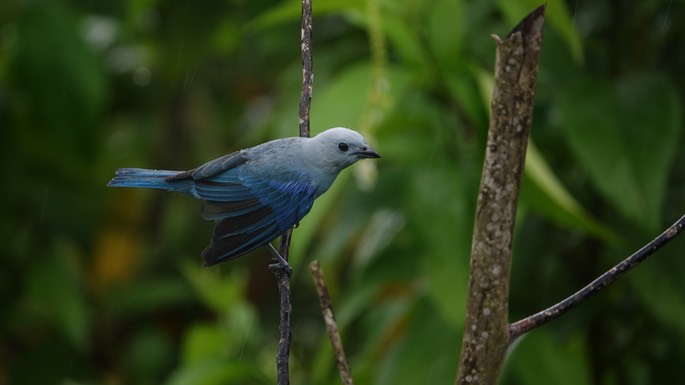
x,y
146,178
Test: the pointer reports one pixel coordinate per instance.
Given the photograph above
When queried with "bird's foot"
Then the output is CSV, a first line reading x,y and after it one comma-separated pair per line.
x,y
280,266
280,263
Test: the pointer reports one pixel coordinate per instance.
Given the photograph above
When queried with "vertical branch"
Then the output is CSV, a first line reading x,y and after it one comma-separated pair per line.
x,y
307,67
284,338
486,331
331,326
281,275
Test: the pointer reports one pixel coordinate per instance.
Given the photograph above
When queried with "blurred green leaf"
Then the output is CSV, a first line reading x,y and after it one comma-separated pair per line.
x,y
216,372
150,355
405,41
662,295
353,86
565,366
447,226
291,10
146,296
414,359
466,89
486,85
625,136
542,191
202,342
447,26
217,292
384,323
58,77
54,293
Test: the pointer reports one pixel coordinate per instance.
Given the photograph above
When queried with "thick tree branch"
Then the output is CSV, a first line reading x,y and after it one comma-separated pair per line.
x,y
282,276
331,326
486,332
520,327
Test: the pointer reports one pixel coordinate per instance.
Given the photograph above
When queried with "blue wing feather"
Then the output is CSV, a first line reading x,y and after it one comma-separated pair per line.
x,y
271,207
251,207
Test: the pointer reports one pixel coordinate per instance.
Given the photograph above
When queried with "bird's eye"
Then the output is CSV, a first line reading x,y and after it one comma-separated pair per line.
x,y
342,146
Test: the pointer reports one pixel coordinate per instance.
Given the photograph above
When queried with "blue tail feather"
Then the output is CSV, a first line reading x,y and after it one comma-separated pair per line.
x,y
146,178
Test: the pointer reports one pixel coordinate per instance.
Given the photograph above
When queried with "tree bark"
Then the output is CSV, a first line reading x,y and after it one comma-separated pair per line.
x,y
486,332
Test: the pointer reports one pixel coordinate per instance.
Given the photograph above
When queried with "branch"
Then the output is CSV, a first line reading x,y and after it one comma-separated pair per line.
x,y
331,326
529,323
282,276
307,67
286,306
486,331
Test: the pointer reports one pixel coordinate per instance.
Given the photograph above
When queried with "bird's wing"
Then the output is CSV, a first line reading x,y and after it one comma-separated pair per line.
x,y
213,167
217,180
250,211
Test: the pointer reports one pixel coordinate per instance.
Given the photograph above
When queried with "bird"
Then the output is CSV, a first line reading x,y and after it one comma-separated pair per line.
x,y
255,194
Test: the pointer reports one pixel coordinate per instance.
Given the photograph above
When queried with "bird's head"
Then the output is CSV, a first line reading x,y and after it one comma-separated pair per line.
x,y
342,147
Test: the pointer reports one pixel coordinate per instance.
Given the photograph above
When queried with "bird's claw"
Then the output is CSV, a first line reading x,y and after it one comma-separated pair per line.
x,y
281,266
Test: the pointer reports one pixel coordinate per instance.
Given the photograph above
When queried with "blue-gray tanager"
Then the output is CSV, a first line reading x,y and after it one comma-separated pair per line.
x,y
256,194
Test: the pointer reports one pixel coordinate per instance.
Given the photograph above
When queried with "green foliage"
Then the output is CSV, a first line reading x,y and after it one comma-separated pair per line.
x,y
626,135
567,366
105,286
543,191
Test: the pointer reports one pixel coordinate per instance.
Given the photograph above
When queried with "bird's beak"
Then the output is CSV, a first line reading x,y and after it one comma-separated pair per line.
x,y
367,152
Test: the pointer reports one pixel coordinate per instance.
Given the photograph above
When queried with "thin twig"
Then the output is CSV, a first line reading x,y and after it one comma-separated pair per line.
x,y
518,328
281,275
486,332
307,67
286,307
331,326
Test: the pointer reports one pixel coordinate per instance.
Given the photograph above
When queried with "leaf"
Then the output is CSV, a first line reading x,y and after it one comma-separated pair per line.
x,y
149,355
486,84
143,297
344,99
55,293
415,359
203,341
445,221
542,191
218,292
466,88
405,41
624,135
447,26
530,363
662,295
61,80
291,10
216,372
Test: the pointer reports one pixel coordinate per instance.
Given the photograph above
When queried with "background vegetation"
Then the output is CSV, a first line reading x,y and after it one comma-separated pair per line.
x,y
104,286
